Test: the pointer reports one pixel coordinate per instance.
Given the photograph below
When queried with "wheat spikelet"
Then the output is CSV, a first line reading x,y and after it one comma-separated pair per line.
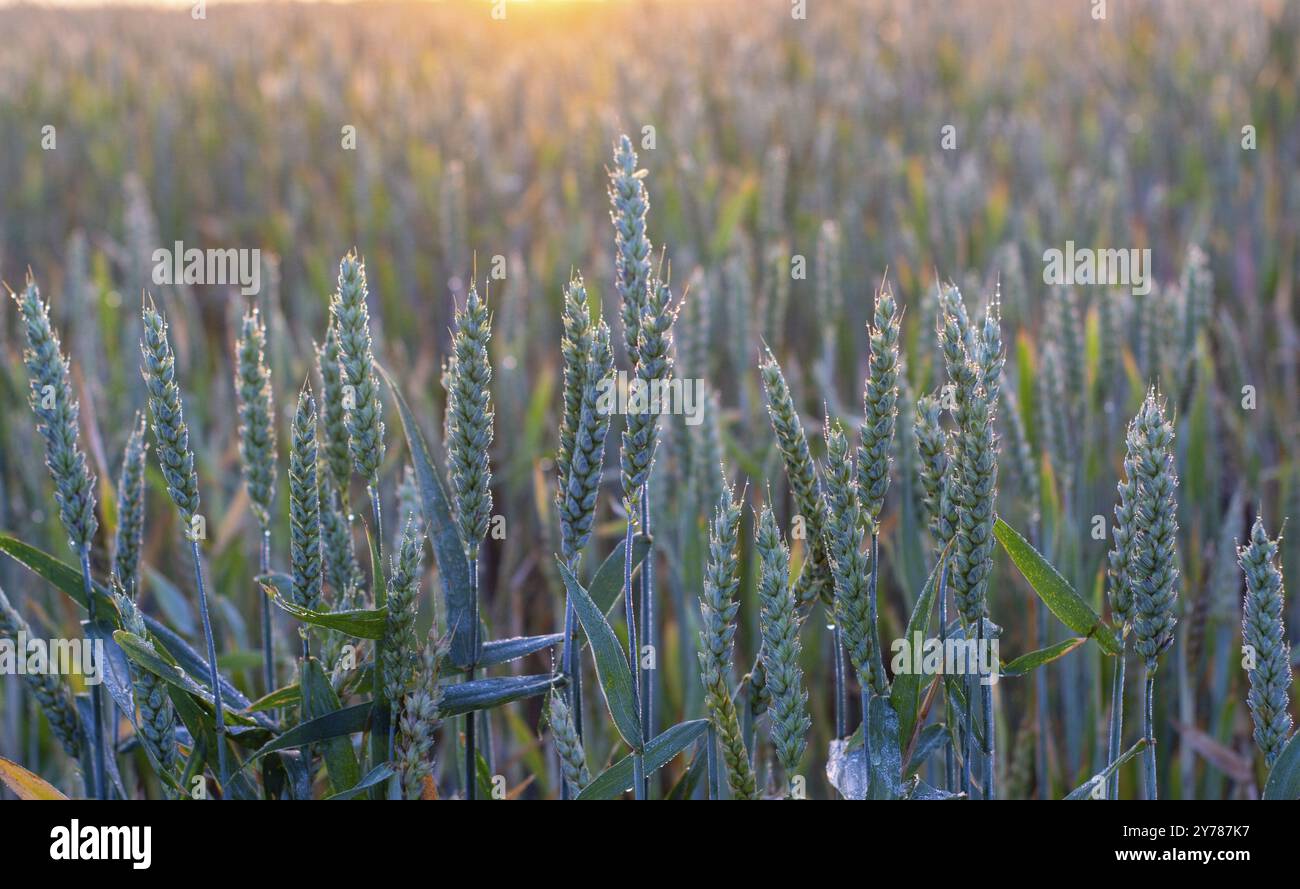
x,y
718,607
469,421
256,428
1263,630
129,537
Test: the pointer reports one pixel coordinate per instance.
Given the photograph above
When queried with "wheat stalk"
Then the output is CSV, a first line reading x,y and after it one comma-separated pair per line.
x,y
129,537
50,395
469,437
172,437
1153,560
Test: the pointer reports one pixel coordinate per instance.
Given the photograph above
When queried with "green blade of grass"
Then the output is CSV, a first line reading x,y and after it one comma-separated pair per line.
x,y
484,694
345,721
905,695
1027,663
374,778
145,655
1055,590
1284,778
360,623
611,665
448,549
617,779
319,699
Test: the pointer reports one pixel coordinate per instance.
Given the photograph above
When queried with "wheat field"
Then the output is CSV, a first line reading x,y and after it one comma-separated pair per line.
x,y
748,399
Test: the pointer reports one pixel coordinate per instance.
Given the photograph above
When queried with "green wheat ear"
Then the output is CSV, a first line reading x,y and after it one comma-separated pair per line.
x,y
573,760
338,458
156,724
629,205
815,577
172,436
848,560
718,608
781,649
50,395
578,508
575,351
588,363
415,728
1263,629
129,539
305,506
364,416
654,365
469,420
1153,560
932,447
880,408
400,660
256,427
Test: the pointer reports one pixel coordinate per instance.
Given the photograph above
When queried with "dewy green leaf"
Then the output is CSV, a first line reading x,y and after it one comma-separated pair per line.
x,y
117,675
905,695
606,587
346,721
611,666
502,651
173,647
617,779
375,777
360,623
319,699
448,549
1055,590
1035,659
146,656
484,694
1284,778
886,756
287,696
62,575
930,739
201,728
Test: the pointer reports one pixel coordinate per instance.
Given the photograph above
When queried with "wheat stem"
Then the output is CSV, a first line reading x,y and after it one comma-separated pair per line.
x,y
1116,738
